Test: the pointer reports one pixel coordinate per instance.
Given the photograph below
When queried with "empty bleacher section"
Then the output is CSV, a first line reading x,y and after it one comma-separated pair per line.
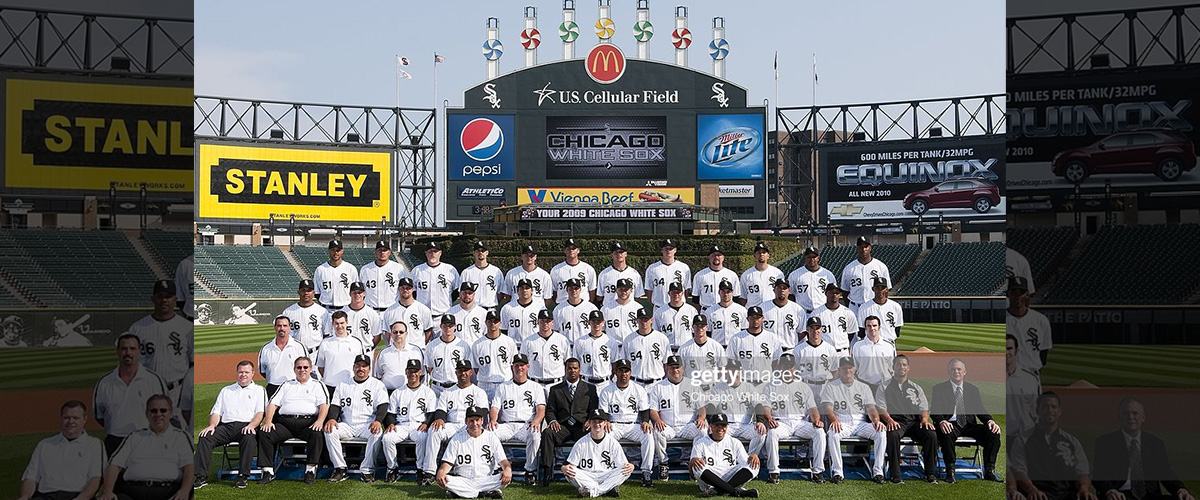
x,y
238,272
27,276
1044,248
313,257
69,258
169,247
897,257
7,299
1106,263
962,269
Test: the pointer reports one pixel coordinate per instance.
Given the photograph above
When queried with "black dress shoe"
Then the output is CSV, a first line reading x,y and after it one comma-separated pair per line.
x,y
990,475
877,479
897,480
931,479
950,478
310,477
266,478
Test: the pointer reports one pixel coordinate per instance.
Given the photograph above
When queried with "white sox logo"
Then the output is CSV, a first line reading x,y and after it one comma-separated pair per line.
x,y
554,352
529,399
825,361
655,350
456,355
728,456
679,277
736,319
312,322
422,406
789,322
719,94
176,345
367,397
537,286
470,400
798,400
475,325
364,325
842,324
632,404
491,282
390,278
764,349
684,321
606,459
441,281
503,354
911,393
603,353
491,97
345,280
891,319
414,321
858,402
487,454
874,273
1066,453
1031,336
822,284
633,319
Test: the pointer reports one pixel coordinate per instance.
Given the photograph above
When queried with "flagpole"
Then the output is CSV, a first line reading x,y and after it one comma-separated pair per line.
x,y
777,83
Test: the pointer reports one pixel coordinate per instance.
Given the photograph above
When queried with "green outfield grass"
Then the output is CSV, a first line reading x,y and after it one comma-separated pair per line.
x,y
1123,365
38,368
956,337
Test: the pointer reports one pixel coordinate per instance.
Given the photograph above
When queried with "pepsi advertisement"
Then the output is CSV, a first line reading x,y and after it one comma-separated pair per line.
x,y
481,148
730,147
606,147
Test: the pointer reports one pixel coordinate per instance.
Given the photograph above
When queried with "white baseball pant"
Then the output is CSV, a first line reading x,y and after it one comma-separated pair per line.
x,y
333,441
766,446
520,431
864,430
471,487
597,483
433,445
407,431
815,436
685,431
634,432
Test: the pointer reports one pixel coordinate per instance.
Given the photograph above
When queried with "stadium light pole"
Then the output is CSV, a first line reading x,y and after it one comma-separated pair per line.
x,y
142,202
112,204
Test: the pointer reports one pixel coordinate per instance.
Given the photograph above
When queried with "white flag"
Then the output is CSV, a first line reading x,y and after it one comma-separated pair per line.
x,y
403,74
438,59
403,61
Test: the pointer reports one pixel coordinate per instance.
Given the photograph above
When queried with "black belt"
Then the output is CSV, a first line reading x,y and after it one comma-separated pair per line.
x,y
380,309
172,385
595,380
646,380
298,417
853,303
808,311
815,383
154,484
842,349
445,384
545,381
624,422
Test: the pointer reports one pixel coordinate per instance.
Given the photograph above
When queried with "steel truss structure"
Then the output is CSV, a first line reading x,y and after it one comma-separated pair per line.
x,y
1118,39
806,130
408,133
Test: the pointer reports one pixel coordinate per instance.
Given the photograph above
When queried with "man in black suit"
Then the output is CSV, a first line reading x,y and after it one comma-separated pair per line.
x,y
958,411
1131,464
567,406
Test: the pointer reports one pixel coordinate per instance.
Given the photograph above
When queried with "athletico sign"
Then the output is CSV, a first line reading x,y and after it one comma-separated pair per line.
x,y
481,148
605,196
240,182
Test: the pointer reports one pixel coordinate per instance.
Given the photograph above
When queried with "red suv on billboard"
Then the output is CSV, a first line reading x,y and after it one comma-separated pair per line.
x,y
1162,152
977,194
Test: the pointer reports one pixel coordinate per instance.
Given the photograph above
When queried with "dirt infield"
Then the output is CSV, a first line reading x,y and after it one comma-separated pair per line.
x,y
40,412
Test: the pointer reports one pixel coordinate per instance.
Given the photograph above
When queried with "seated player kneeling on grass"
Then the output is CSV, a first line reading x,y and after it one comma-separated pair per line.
x,y
597,464
720,462
474,464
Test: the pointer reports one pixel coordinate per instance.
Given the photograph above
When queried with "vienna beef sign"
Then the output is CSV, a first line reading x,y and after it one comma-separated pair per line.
x,y
630,213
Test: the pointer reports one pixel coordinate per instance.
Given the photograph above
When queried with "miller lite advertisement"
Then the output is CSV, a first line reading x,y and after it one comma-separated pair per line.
x,y
730,147
481,148
606,147
959,179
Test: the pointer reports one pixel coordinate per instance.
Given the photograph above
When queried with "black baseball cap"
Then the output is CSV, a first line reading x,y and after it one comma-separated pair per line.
x,y
624,283
786,360
621,364
358,286
845,361
520,359
467,286
715,249
448,319
813,321
335,244
413,365
596,316
598,414
754,311
725,285
668,243
463,364
307,285
492,315
570,243
833,287
617,247
879,282
479,245
382,244
1018,283
545,314
700,319
164,286
524,283
782,283
574,283
674,360
761,246
642,313
476,411
811,250
364,359
718,419
733,364
862,240
675,286
529,249
406,281
433,245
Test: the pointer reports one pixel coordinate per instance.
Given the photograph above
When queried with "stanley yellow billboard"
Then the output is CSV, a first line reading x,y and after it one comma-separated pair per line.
x,y
256,183
86,136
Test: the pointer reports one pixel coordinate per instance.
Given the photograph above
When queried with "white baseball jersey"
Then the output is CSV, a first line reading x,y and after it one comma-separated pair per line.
x,y
620,320
836,326
546,355
363,324
588,455
492,358
469,323
1021,390
572,319
382,282
606,283
737,409
432,286
720,456
672,401
849,401
518,402
794,403
697,356
336,357
646,353
706,282
411,404
359,400
873,360
391,363
659,277
596,354
725,321
1015,264
562,272
816,363
759,286
474,457
487,280
538,276
858,278
520,321
185,285
415,315
295,398
787,321
675,323
441,357
121,407
455,400
758,348
890,315
623,405
1033,332
333,283
166,346
308,323
809,286
275,364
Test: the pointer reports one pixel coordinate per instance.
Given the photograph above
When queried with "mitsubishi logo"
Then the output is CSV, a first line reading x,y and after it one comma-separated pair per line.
x,y
846,210
545,93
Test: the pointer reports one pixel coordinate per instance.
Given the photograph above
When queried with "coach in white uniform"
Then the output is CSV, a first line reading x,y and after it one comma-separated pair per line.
x,y
120,396
808,282
1032,328
442,356
450,415
726,317
856,277
572,268
816,358
539,279
392,360
675,318
629,406
415,315
468,316
46,478
381,277
488,279
672,412
362,322
435,280
606,282
665,271
849,408
571,315
518,318
166,340
493,355
517,412
620,319
646,349
472,456
700,351
838,322
596,351
889,312
758,281
706,281
307,318
799,415
597,465
357,411
409,409
720,462
784,317
335,358
234,418
276,357
334,278
547,351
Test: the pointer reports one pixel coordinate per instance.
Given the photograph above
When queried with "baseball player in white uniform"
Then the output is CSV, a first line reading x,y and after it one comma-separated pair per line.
x,y
518,318
646,349
413,314
808,282
335,358
890,315
434,281
838,322
856,277
816,358
276,357
1016,265
493,355
547,351
450,415
382,278
701,351
392,360
849,408
307,318
571,315
488,279
362,321
468,315
784,317
409,409
726,317
185,283
1032,328
517,412
357,410
750,409
468,468
665,271
538,278
720,462
754,346
620,319
705,283
596,351
572,268
629,407
796,413
597,464
674,317
673,412
1021,390
606,281
166,341
333,279
443,354
758,281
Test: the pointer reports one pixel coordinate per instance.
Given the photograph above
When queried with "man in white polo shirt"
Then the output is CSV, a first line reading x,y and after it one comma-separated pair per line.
x,y
276,357
234,418
156,461
120,396
46,477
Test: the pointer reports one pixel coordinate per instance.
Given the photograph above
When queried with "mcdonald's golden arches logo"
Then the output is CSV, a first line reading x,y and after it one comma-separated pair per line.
x,y
605,63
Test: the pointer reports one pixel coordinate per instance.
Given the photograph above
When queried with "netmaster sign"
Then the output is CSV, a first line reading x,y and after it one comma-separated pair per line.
x,y
86,136
481,148
257,183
